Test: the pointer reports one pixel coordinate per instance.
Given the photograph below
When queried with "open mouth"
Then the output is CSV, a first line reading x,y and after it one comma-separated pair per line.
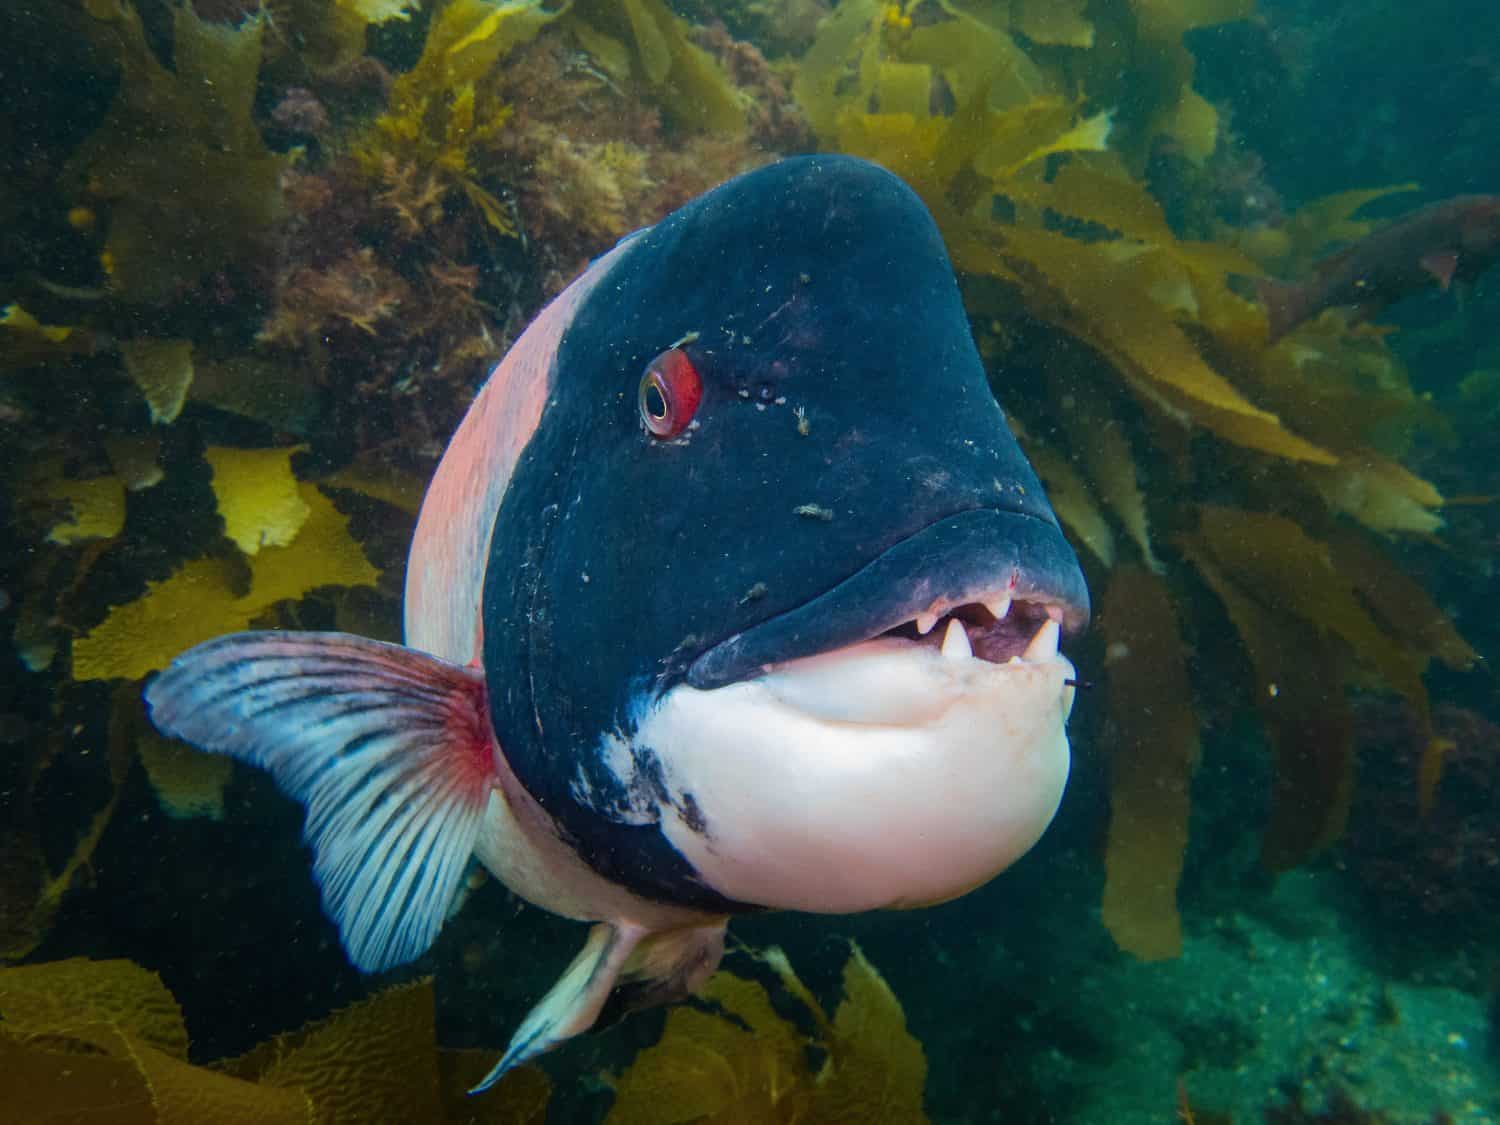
x,y
997,628
985,584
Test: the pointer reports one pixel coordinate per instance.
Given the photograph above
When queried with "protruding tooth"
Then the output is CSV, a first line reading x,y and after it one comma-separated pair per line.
x,y
956,641
925,622
998,604
1043,646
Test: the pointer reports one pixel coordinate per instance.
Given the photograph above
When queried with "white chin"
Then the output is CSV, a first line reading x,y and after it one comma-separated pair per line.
x,y
886,774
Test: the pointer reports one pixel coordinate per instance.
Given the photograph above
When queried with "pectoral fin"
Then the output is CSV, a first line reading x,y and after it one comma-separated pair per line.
x,y
621,965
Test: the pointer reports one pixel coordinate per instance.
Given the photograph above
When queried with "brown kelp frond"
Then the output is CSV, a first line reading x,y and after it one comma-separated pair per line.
x,y
1026,129
746,1062
178,165
1152,760
106,1038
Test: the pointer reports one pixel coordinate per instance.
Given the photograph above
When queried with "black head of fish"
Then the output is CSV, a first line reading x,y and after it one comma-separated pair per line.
x,y
846,469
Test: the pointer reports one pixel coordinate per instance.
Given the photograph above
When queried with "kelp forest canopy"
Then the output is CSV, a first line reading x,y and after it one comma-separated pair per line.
x,y
251,288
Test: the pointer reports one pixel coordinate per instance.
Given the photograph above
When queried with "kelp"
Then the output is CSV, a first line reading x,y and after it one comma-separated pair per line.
x,y
203,598
1028,146
163,370
106,1039
444,111
743,1061
32,888
1151,761
27,342
643,41
178,164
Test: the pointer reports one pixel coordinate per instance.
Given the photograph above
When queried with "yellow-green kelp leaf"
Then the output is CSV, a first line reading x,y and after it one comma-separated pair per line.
x,y
750,1064
1300,692
27,342
200,601
690,86
1151,766
163,369
96,508
187,782
259,499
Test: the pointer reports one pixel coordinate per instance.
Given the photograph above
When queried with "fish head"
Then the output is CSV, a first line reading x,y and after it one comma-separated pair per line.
x,y
1480,234
771,607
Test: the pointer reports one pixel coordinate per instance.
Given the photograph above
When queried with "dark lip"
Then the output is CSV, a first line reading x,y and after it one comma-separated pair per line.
x,y
959,559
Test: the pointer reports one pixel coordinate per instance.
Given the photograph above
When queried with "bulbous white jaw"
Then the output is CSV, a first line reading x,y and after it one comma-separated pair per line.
x,y
900,771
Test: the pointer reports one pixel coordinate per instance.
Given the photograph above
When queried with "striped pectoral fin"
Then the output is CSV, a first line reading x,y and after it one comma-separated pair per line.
x,y
389,750
620,965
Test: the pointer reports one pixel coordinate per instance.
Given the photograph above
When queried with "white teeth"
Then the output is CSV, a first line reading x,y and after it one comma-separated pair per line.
x,y
1043,646
999,605
956,641
925,622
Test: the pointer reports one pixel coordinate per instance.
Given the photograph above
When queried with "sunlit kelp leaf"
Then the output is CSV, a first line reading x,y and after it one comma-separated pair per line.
x,y
973,54
876,1070
1283,566
709,1068
1112,471
1072,501
1299,690
27,342
750,1064
178,162
1154,754
86,1040
1380,494
1181,113
187,782
380,11
372,1061
443,112
95,507
199,601
259,499
163,369
1318,225
692,88
1346,388
67,998
1059,22
1399,602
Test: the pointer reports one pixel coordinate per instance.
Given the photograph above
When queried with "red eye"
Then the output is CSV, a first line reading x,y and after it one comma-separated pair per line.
x,y
669,395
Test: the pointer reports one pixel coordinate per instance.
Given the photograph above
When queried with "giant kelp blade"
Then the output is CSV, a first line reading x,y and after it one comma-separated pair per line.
x,y
372,1061
710,1068
1152,762
876,1069
1300,677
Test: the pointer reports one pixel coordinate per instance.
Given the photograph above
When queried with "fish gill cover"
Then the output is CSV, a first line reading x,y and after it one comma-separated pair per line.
x,y
293,238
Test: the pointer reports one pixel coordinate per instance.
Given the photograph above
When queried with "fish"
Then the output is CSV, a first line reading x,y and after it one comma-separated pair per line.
x,y
1454,240
732,592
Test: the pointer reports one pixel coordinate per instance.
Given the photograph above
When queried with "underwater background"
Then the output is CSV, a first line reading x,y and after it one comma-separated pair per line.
x,y
256,256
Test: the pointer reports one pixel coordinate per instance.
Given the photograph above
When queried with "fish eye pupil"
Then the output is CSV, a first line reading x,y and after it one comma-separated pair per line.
x,y
655,401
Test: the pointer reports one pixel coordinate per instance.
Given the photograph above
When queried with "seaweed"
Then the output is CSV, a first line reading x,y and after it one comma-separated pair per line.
x,y
178,164
742,1061
107,1038
1012,123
